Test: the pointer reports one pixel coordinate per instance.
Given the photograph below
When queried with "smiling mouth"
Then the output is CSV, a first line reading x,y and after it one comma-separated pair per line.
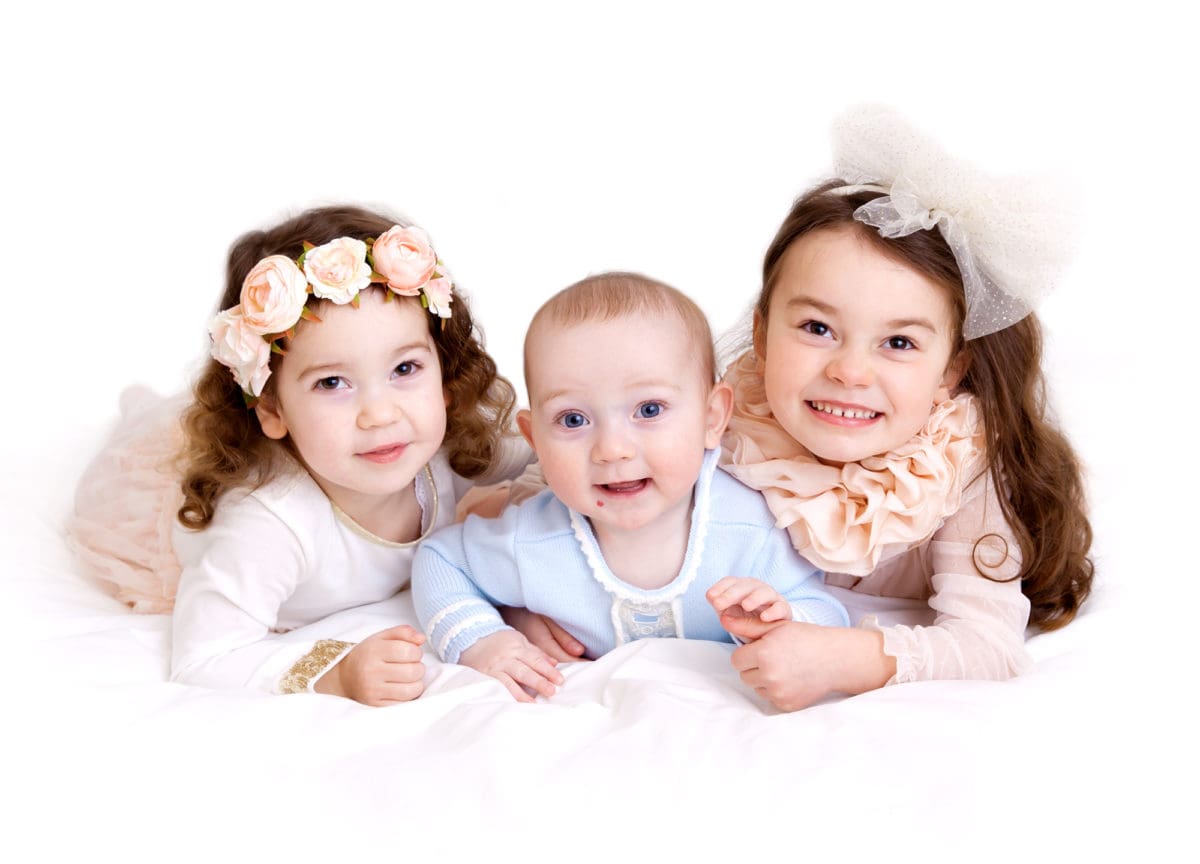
x,y
383,455
628,487
843,411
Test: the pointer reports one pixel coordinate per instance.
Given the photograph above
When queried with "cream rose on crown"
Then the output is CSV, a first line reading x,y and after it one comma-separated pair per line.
x,y
242,349
273,295
275,291
405,258
338,270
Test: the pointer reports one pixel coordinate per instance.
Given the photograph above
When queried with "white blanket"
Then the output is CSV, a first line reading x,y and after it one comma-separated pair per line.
x,y
656,748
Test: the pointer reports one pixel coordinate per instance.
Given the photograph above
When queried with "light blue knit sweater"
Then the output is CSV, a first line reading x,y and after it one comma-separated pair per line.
x,y
544,557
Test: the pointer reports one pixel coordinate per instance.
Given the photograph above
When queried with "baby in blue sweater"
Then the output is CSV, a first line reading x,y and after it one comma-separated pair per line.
x,y
638,535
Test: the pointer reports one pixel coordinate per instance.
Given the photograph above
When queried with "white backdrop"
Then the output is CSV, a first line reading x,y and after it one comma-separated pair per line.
x,y
537,144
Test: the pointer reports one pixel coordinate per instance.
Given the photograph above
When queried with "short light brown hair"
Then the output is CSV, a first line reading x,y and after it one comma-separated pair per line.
x,y
618,294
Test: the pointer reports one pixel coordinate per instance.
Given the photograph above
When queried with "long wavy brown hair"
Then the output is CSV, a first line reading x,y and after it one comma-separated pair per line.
x,y
225,447
1028,457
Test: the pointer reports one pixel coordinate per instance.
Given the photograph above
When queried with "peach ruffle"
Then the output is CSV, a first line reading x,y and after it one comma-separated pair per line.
x,y
847,518
126,501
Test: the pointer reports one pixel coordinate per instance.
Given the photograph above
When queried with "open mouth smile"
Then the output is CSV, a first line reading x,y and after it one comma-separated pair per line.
x,y
627,487
835,412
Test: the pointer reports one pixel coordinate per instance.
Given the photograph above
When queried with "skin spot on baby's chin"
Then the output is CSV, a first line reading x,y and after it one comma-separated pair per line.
x,y
599,503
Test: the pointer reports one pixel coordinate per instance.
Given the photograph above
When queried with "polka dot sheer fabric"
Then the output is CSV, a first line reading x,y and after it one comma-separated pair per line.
x,y
1011,236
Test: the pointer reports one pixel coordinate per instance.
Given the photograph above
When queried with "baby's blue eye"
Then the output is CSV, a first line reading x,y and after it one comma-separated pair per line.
x,y
900,343
406,368
572,420
649,410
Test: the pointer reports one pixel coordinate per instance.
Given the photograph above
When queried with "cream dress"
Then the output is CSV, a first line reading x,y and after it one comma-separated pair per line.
x,y
273,559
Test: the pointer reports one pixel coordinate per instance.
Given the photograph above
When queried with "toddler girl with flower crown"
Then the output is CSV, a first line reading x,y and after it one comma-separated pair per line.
x,y
347,406
892,411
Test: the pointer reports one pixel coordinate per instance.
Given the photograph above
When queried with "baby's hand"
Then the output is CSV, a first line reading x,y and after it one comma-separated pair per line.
x,y
509,657
383,669
544,633
736,597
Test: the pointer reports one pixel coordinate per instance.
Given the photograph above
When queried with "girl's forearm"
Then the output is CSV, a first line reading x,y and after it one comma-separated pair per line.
x,y
864,665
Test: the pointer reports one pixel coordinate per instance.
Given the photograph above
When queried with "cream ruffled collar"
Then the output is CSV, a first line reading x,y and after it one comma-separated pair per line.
x,y
846,519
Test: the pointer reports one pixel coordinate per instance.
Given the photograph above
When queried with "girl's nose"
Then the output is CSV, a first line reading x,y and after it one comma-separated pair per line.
x,y
851,367
378,409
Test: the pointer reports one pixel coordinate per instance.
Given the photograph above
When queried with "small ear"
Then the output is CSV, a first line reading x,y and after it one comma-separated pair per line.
x,y
720,406
270,418
525,424
955,370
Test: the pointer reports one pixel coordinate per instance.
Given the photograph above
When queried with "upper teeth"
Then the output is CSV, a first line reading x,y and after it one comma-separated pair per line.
x,y
855,413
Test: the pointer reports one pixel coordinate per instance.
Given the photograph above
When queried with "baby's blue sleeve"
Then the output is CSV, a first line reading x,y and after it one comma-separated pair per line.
x,y
460,575
800,582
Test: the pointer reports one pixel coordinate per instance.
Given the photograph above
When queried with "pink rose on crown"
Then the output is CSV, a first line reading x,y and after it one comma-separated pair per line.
x,y
439,294
242,349
338,270
273,295
405,258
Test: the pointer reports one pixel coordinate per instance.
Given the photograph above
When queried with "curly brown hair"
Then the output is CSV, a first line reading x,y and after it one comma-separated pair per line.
x,y
225,447
1028,457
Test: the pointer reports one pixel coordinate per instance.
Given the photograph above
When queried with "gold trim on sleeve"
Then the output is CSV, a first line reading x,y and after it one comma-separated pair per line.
x,y
312,665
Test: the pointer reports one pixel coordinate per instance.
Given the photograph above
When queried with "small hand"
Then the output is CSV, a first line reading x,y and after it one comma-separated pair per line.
x,y
544,633
509,658
383,669
795,664
746,604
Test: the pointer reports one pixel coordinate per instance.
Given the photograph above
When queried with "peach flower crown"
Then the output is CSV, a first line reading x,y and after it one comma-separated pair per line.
x,y
275,294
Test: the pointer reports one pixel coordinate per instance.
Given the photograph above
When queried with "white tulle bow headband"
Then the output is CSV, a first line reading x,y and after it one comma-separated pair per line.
x,y
1010,236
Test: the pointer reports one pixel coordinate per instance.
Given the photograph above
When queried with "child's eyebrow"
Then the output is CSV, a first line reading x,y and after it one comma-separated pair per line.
x,y
581,392
901,323
335,365
647,383
804,300
826,308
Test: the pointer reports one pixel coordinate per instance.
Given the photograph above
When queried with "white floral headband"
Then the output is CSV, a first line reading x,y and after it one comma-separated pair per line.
x,y
1010,236
276,290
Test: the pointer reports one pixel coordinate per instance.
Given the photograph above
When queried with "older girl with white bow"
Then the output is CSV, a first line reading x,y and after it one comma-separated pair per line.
x,y
892,411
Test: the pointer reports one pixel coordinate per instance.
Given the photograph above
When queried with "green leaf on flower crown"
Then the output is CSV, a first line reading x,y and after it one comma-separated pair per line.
x,y
300,260
275,349
370,241
424,301
307,246
377,277
308,315
387,296
354,300
436,275
250,399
